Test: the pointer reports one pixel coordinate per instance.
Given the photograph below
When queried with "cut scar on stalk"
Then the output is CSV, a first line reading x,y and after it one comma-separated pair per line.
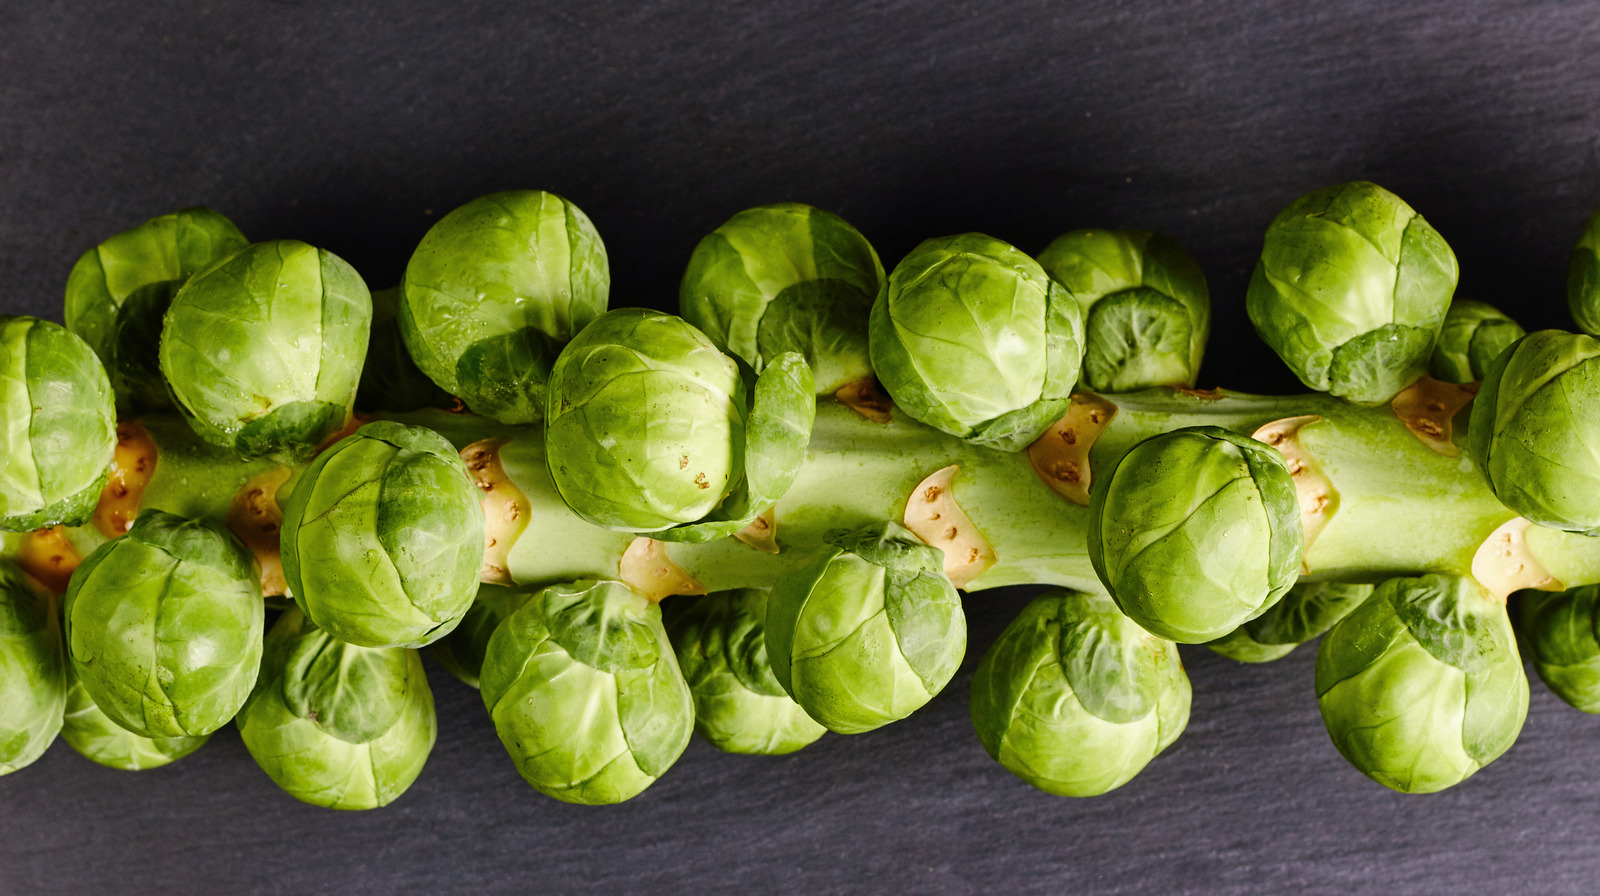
x,y
505,508
1427,408
933,515
1503,564
865,398
1318,499
49,558
254,516
132,464
762,533
1061,455
647,568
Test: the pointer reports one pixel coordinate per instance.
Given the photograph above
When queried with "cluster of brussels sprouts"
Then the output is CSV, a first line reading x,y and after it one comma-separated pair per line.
x,y
630,430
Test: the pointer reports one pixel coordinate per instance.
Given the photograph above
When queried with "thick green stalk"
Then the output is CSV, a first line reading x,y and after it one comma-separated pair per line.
x,y
1401,507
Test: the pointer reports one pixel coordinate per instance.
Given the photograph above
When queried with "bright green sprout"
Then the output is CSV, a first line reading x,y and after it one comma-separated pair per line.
x,y
1534,426
383,537
119,291
1075,698
59,424
866,632
461,652
263,351
1196,532
87,729
164,626
786,278
1561,631
1307,611
1474,334
973,338
337,725
586,693
739,706
1583,278
1421,686
1146,308
492,293
390,380
651,428
1351,291
33,685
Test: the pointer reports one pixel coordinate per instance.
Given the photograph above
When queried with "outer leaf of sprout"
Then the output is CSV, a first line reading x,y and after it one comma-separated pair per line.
x,y
1307,611
461,652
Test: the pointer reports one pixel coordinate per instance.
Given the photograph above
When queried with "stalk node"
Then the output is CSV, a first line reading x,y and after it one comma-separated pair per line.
x,y
255,517
933,515
1061,455
505,508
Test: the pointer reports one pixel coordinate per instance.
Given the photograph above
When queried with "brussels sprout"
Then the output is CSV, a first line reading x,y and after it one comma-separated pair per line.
x,y
1583,278
493,292
1421,686
119,291
786,278
868,631
33,687
390,381
97,738
651,428
1196,532
1474,333
164,626
973,338
1534,424
336,725
586,694
1351,291
59,423
461,652
739,705
1561,631
1307,611
383,537
263,350
1146,309
1075,698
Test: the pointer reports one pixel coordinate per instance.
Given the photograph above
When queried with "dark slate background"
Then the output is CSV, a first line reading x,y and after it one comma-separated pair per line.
x,y
354,127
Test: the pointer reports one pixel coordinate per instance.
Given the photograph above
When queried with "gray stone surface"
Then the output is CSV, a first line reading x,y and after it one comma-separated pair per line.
x,y
353,126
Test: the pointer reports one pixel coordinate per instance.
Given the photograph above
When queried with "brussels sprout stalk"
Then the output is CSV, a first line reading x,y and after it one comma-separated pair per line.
x,y
1403,508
